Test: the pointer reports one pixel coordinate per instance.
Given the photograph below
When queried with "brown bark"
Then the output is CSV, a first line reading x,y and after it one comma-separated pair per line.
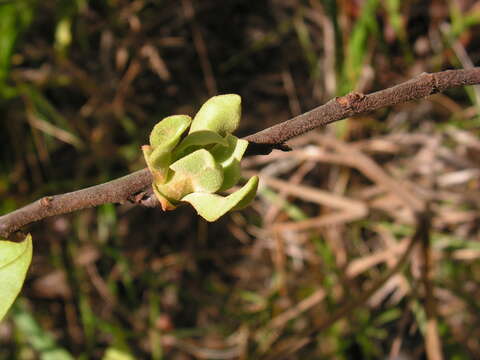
x,y
130,187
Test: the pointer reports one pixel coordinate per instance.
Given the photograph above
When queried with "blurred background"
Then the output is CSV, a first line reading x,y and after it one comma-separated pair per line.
x,y
306,272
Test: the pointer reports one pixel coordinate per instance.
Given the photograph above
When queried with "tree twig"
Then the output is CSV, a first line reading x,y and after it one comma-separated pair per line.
x,y
126,188
355,103
116,191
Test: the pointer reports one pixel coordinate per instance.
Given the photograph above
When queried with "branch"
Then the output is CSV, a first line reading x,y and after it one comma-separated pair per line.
x,y
116,191
356,103
131,187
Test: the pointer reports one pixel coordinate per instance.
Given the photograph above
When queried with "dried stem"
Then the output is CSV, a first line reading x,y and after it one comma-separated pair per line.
x,y
433,345
288,348
128,187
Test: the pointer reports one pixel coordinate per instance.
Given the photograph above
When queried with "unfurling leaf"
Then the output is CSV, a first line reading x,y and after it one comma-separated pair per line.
x,y
163,139
197,171
15,259
229,158
220,114
168,131
198,139
212,206
207,160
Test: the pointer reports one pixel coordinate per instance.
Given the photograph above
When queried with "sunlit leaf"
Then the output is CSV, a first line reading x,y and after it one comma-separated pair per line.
x,y
63,34
198,139
212,206
201,167
113,353
15,259
164,137
197,171
167,132
246,194
157,161
165,202
229,158
220,114
207,160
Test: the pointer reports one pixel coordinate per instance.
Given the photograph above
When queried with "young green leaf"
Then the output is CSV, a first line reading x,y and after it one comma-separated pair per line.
x,y
159,167
15,259
198,139
165,202
229,158
163,139
206,175
197,171
220,114
166,133
212,206
207,160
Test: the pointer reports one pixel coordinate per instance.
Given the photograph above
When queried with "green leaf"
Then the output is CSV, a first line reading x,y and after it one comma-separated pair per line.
x,y
113,353
229,158
220,114
196,172
157,161
15,17
63,35
212,206
164,137
205,161
166,133
39,339
247,193
200,166
15,259
198,139
165,202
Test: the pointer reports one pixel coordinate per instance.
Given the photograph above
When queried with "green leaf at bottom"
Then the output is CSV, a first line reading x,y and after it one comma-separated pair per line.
x,y
212,206
15,259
